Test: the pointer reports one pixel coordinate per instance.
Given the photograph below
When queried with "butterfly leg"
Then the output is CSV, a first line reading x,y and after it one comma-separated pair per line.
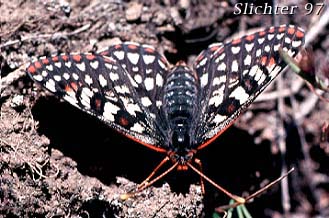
x,y
146,182
199,163
255,194
239,200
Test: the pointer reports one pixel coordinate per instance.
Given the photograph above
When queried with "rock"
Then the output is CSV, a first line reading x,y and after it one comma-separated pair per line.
x,y
134,11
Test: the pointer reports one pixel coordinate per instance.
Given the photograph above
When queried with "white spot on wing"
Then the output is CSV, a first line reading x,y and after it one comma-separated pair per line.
x,y
146,101
138,78
68,64
85,96
114,76
57,78
119,54
148,59
102,80
204,80
133,57
50,67
219,118
149,83
88,79
247,60
159,80
109,111
235,50
66,76
94,64
240,94
137,128
50,84
58,64
81,66
296,43
249,47
38,77
235,66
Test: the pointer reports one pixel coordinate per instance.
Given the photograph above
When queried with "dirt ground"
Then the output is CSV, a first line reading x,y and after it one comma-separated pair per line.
x,y
57,161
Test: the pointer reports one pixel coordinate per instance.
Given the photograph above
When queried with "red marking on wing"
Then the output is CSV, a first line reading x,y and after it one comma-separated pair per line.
x,y
123,121
37,64
272,62
74,86
98,103
263,60
262,33
291,30
45,61
145,144
299,34
118,46
149,50
55,59
68,88
132,46
250,37
90,57
31,69
215,136
215,48
77,58
282,29
201,56
236,41
65,57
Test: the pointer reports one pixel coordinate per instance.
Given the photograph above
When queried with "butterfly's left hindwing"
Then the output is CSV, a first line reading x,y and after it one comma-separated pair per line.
x,y
232,76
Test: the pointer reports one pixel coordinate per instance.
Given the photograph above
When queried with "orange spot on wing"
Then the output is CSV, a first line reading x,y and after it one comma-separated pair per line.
x,y
236,41
117,46
68,88
272,62
231,108
262,33
90,57
31,69
250,37
77,58
55,59
200,57
45,61
263,60
132,46
74,86
214,48
65,57
271,30
299,34
282,29
149,50
123,121
291,30
37,64
98,103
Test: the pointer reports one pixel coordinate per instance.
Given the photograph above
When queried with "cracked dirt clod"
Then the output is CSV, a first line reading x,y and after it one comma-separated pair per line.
x,y
134,11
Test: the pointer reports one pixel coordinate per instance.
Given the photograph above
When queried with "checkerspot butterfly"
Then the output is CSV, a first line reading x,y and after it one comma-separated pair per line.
x,y
171,109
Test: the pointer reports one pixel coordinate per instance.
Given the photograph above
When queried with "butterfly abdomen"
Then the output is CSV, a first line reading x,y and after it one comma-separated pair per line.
x,y
180,104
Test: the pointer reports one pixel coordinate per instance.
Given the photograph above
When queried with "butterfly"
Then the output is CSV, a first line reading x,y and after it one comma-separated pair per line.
x,y
176,110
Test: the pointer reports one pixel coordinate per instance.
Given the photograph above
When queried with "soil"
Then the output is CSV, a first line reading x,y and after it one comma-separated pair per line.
x,y
57,161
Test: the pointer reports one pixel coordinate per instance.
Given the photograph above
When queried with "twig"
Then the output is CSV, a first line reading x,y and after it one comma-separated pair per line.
x,y
45,36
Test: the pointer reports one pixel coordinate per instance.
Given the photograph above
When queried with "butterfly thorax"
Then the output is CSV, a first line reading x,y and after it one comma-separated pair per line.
x,y
180,102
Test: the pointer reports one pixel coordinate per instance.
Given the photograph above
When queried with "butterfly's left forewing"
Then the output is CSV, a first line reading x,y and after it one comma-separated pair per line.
x,y
236,73
100,86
